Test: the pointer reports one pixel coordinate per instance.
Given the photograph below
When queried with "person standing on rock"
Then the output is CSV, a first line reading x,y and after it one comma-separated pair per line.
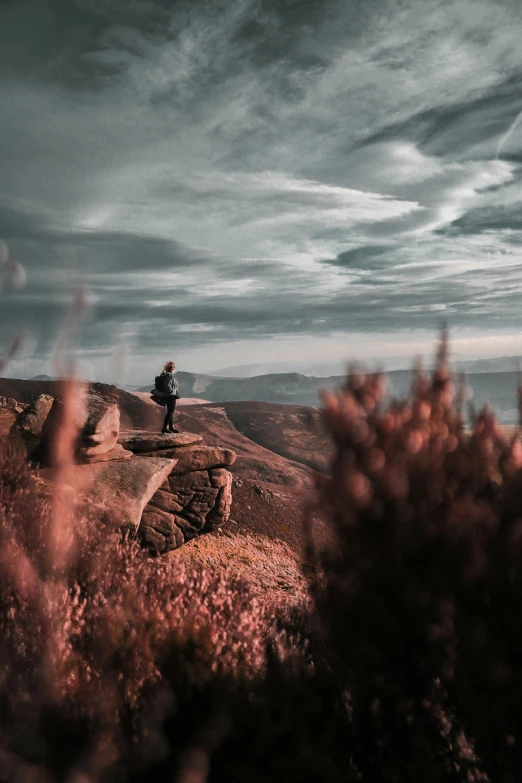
x,y
166,392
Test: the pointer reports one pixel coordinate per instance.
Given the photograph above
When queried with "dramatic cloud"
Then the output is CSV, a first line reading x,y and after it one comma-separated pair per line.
x,y
219,177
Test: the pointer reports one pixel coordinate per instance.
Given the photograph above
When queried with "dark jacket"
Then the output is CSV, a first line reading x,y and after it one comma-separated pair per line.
x,y
171,384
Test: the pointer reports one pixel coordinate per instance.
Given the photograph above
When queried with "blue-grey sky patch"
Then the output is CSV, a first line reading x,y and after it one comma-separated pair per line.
x,y
223,177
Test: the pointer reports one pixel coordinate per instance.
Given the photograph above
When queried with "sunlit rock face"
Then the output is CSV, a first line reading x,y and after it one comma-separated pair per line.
x,y
197,496
166,488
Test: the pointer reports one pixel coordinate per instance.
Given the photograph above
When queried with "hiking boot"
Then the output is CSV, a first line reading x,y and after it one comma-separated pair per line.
x,y
173,429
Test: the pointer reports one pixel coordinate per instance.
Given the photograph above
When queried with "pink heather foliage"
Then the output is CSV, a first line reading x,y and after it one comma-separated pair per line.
x,y
422,608
84,646
404,663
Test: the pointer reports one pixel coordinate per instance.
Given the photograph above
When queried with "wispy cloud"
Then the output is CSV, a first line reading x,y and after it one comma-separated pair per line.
x,y
273,168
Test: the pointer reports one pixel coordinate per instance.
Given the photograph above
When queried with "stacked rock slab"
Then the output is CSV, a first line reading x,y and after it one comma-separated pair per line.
x,y
168,488
99,428
39,424
26,432
197,495
116,490
98,425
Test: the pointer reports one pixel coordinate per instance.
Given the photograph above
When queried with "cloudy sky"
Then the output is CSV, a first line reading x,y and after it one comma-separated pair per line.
x,y
257,181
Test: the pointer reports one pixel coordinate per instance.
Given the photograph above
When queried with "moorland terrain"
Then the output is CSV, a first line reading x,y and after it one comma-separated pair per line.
x,y
279,448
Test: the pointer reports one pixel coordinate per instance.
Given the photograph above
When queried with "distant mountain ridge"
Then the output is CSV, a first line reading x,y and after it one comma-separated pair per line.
x,y
498,364
388,364
499,389
290,388
275,387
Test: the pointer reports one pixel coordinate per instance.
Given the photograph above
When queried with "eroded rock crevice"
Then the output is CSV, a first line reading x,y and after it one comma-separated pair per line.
x,y
195,499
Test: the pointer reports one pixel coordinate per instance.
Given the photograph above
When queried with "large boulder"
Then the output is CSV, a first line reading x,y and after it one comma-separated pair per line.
x,y
119,489
99,414
139,441
26,431
193,503
117,452
195,458
99,425
159,531
97,419
31,421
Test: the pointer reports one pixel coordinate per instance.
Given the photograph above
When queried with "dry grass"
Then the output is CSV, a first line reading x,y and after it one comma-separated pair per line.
x,y
267,567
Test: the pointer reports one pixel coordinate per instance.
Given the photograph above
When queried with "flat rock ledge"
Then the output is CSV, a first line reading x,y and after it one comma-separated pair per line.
x,y
139,441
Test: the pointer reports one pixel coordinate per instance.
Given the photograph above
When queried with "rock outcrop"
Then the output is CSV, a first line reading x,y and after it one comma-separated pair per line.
x,y
26,432
203,458
98,426
31,420
141,441
197,496
97,422
119,489
167,488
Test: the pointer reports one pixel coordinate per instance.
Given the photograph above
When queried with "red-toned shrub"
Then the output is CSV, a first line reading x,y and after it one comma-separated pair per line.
x,y
423,597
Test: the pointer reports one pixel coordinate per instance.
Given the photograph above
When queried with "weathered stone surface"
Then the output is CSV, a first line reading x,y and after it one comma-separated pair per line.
x,y
202,506
98,414
166,502
196,502
189,482
155,541
161,521
117,452
109,443
219,477
155,441
160,531
165,453
96,438
189,529
31,421
195,458
97,420
221,510
120,489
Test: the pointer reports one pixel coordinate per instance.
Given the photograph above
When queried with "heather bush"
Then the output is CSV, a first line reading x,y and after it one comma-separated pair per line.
x,y
420,610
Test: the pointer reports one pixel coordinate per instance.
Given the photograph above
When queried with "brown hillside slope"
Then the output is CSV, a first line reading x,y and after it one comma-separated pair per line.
x,y
292,431
254,461
268,531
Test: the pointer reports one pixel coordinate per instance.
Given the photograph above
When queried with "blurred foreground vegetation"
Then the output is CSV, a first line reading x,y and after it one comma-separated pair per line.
x,y
402,663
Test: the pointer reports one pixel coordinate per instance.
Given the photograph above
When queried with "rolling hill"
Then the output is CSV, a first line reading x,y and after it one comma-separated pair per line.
x,y
497,389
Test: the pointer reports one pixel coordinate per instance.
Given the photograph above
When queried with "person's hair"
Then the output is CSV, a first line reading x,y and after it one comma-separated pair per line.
x,y
169,367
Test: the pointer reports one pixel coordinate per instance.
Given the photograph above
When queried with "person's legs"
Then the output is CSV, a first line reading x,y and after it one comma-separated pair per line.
x,y
168,423
171,424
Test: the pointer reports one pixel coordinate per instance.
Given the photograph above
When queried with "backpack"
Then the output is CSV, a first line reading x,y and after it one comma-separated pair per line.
x,y
164,383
